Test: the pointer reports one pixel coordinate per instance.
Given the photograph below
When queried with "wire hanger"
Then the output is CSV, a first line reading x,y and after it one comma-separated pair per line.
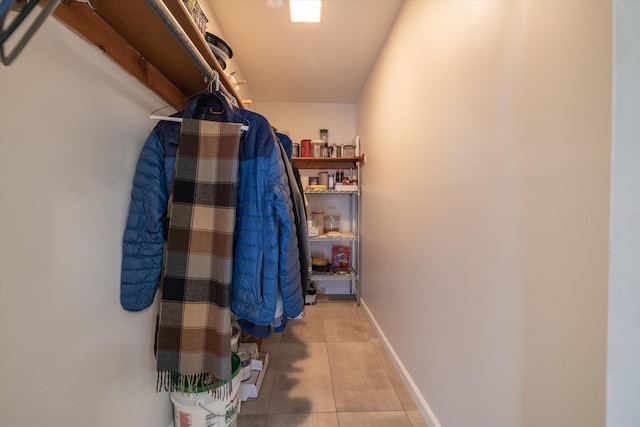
x,y
7,58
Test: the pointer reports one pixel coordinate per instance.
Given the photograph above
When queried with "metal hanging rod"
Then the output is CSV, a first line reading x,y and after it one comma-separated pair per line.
x,y
178,32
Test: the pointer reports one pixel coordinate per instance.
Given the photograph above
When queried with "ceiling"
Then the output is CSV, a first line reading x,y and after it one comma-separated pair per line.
x,y
302,62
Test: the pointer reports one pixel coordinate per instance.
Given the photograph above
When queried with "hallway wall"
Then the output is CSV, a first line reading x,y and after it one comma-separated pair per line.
x,y
72,124
302,120
623,375
485,217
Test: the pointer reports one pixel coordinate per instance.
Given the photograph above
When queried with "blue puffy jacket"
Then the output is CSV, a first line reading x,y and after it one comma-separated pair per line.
x,y
265,242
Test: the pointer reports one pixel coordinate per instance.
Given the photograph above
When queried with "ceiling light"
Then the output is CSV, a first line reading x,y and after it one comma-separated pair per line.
x,y
306,10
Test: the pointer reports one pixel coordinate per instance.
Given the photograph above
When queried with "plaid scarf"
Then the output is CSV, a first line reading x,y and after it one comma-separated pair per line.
x,y
194,325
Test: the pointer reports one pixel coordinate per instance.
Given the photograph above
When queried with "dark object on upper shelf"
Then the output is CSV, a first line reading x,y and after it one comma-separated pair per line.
x,y
216,41
220,49
221,61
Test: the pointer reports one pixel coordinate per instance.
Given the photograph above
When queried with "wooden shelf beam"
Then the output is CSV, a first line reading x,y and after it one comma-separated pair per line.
x,y
131,33
89,25
327,162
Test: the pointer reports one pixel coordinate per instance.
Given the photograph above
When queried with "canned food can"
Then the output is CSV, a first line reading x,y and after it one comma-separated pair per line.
x,y
306,148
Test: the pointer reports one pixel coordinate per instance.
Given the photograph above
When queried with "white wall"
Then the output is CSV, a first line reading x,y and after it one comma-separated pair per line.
x,y
485,232
623,380
72,124
304,120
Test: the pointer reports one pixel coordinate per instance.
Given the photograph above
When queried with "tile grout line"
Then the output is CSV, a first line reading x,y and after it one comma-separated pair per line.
x,y
365,323
326,345
379,357
275,371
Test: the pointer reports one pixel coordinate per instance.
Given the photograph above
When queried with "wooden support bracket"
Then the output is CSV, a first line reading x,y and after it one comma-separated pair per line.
x,y
88,24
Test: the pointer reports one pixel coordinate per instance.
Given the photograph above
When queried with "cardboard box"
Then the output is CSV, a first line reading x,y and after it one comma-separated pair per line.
x,y
250,388
342,187
340,258
197,14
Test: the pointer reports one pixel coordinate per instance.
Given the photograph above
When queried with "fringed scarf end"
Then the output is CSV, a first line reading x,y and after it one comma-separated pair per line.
x,y
194,383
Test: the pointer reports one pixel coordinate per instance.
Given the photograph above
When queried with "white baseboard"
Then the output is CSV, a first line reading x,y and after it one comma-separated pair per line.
x,y
419,400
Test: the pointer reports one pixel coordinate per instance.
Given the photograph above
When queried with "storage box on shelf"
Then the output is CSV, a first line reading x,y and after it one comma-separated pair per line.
x,y
250,388
337,249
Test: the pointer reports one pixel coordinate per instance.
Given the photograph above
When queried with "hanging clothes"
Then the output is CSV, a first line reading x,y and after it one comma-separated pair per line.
x,y
304,251
299,210
265,255
145,232
194,317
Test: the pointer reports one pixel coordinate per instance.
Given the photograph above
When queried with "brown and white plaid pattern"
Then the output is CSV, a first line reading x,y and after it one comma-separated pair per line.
x,y
194,325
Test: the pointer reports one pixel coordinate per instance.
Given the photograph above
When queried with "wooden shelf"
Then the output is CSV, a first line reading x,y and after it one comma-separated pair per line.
x,y
327,162
136,25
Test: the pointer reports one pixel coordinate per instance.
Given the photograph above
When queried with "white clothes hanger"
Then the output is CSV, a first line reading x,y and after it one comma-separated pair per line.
x,y
243,128
214,81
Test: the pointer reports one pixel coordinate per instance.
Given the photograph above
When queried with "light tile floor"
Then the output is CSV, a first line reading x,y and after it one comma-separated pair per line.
x,y
328,370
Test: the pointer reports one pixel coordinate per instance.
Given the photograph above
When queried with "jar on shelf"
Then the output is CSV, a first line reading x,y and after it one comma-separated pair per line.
x,y
331,223
318,217
318,147
305,148
324,135
323,179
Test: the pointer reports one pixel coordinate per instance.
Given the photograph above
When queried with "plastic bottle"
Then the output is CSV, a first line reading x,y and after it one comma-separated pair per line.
x,y
332,182
324,137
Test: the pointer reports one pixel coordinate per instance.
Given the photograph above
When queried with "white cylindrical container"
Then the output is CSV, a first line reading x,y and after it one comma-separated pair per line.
x,y
205,409
245,365
318,217
323,179
235,339
316,147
